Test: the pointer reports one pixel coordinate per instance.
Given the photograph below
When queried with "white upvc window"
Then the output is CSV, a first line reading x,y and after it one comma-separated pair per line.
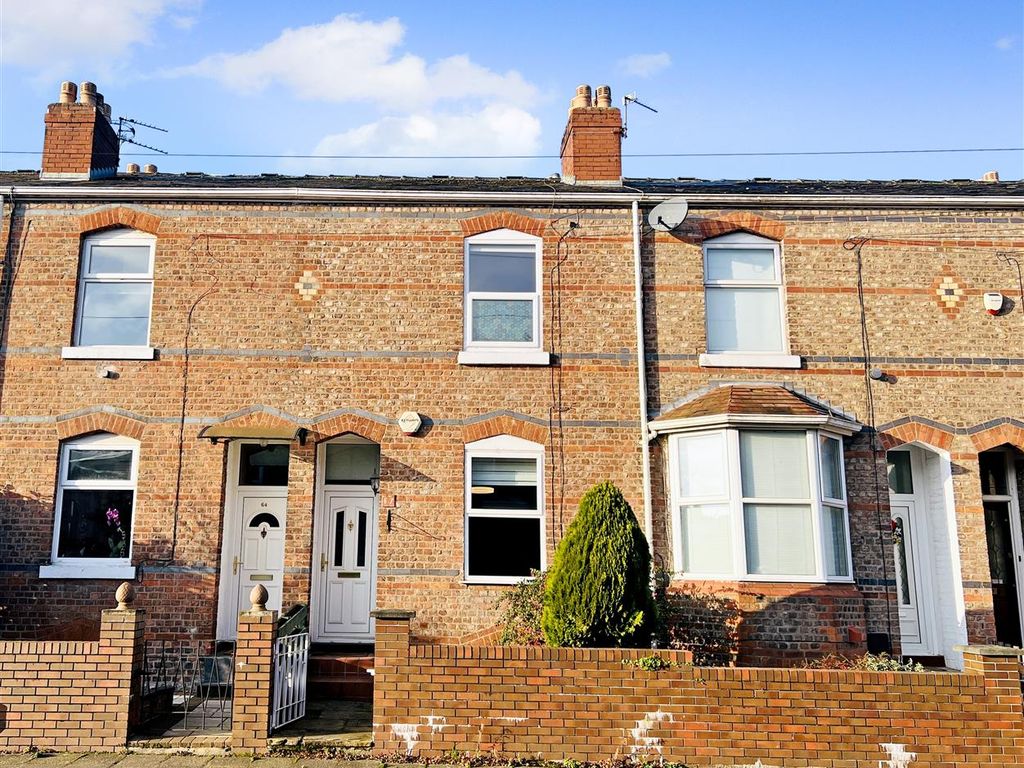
x,y
115,296
745,307
95,508
759,504
504,530
502,299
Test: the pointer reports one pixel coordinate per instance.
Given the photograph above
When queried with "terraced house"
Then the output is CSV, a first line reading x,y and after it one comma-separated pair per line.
x,y
374,392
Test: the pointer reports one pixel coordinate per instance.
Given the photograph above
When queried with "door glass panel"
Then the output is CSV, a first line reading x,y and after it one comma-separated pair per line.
x,y
264,517
339,538
901,479
263,464
361,541
900,550
1002,572
993,473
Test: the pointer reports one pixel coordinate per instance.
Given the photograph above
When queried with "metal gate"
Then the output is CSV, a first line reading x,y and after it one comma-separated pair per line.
x,y
291,661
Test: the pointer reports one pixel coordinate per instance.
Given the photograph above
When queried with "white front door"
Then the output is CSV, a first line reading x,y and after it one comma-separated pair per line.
x,y
345,559
906,555
261,550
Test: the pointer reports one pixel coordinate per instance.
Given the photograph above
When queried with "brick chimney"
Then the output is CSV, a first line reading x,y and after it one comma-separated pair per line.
x,y
80,142
990,176
592,142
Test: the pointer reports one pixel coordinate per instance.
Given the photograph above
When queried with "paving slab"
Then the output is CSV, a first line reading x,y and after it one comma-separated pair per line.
x,y
97,760
53,759
10,759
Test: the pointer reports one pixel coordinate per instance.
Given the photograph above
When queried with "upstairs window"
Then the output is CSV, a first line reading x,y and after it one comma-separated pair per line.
x,y
745,303
503,298
115,294
761,505
96,500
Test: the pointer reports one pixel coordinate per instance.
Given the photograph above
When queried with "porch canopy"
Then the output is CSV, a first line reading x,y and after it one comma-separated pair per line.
x,y
254,425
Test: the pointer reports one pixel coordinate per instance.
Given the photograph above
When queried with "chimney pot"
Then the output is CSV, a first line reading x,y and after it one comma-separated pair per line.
x,y
581,99
87,93
604,96
149,168
132,168
105,109
990,176
68,92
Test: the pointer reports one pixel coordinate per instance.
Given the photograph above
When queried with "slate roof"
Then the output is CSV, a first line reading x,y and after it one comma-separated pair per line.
x,y
743,400
680,186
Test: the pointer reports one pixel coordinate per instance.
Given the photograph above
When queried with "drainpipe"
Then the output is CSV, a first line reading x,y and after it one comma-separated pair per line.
x,y
641,377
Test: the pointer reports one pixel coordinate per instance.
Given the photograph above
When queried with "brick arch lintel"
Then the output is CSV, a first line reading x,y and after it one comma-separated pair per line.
x,y
1009,432
101,419
118,216
742,221
916,431
503,220
353,421
505,423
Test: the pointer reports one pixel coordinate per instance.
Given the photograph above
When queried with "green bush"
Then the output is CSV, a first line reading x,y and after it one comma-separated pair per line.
x,y
598,592
522,605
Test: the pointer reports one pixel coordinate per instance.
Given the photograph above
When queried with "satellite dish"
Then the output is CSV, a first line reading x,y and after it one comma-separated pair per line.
x,y
668,215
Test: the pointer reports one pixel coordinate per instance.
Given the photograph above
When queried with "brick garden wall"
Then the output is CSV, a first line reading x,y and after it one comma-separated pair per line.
x,y
585,704
71,696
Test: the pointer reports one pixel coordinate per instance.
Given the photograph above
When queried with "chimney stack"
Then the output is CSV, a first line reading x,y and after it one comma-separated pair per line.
x,y
990,176
80,142
592,142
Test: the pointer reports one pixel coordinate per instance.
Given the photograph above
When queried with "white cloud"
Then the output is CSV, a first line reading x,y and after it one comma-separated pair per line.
x,y
495,129
78,39
1006,43
348,59
645,64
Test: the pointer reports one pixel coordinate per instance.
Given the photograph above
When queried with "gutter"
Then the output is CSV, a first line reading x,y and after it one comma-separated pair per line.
x,y
641,376
695,200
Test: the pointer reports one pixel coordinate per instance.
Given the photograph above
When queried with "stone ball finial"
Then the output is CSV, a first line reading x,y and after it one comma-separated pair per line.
x,y
258,597
125,596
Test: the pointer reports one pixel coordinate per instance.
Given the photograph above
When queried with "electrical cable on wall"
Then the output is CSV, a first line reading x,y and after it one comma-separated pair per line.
x,y
855,244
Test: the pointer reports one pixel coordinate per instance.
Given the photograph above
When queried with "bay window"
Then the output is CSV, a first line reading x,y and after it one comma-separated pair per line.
x,y
760,504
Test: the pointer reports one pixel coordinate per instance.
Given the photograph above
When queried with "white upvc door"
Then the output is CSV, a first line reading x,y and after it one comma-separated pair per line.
x,y
907,549
344,562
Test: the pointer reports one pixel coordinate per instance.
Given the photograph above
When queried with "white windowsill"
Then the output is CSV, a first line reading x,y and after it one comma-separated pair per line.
x,y
504,357
70,571
749,360
108,352
756,579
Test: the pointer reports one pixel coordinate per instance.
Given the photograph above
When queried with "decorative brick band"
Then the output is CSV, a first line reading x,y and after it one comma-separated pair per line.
x,y
503,220
119,217
350,422
745,221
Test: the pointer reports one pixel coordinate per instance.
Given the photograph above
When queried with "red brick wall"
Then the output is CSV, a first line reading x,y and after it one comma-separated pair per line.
x,y
71,696
79,140
592,145
585,704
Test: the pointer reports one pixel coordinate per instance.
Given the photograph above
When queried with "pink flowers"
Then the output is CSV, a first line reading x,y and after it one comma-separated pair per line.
x,y
113,517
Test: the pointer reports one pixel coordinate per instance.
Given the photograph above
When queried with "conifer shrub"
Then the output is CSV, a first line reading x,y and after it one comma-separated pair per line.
x,y
598,590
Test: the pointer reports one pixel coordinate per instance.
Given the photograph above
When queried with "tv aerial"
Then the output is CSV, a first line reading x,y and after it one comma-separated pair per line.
x,y
631,98
126,133
668,215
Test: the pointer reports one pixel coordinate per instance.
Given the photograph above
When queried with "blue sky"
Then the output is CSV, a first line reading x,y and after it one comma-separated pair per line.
x,y
226,76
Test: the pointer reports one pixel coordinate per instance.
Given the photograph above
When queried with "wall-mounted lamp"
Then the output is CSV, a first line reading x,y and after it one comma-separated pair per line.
x,y
375,484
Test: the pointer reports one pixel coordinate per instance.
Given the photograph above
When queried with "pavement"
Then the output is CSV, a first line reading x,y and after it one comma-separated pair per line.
x,y
154,760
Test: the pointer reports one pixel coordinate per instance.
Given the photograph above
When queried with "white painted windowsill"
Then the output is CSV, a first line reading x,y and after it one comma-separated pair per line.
x,y
108,352
69,571
504,357
749,360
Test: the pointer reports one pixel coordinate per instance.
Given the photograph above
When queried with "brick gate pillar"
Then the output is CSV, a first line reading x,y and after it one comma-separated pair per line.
x,y
254,675
119,656
390,669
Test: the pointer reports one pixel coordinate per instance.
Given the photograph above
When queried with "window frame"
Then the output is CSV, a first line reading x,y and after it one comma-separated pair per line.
x,y
779,358
498,352
93,567
502,447
112,351
737,502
